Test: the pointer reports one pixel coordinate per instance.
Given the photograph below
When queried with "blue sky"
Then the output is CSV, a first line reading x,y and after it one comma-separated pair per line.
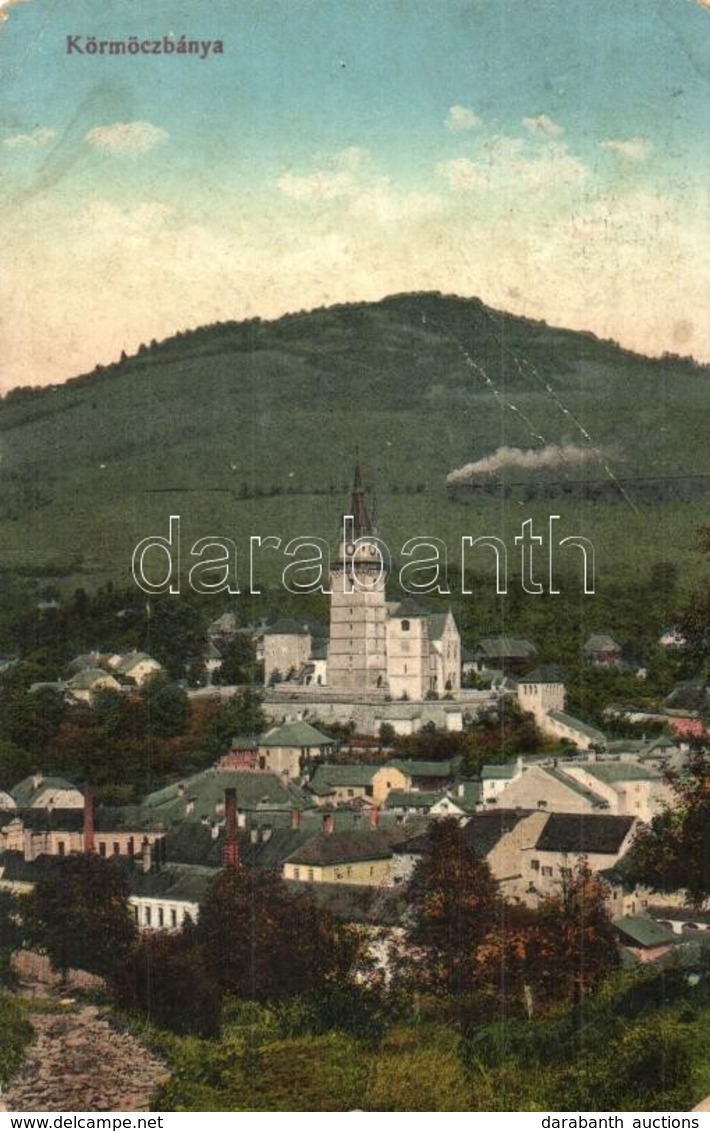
x,y
550,156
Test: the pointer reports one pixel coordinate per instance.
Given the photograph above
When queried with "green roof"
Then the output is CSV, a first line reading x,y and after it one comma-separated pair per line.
x,y
29,788
298,734
513,647
544,673
577,724
205,793
343,848
87,678
414,769
495,772
594,799
287,627
330,776
414,799
132,659
188,883
612,772
639,930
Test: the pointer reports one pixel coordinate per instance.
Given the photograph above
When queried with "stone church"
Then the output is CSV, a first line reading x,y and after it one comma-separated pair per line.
x,y
399,650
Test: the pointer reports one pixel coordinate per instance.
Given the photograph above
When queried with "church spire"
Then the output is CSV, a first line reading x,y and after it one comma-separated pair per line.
x,y
362,524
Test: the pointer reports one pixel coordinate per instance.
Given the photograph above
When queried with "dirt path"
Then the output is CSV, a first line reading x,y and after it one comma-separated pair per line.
x,y
78,1062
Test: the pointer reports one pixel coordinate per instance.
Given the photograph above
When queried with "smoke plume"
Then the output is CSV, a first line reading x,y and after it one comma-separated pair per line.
x,y
532,459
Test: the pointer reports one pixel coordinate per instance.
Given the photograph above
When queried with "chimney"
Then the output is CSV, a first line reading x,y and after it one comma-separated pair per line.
x,y
295,819
146,856
328,823
89,845
374,817
230,849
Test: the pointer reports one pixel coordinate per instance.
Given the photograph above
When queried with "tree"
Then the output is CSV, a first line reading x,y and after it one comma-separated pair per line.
x,y
262,943
78,914
165,979
672,853
238,662
572,947
167,706
243,715
454,904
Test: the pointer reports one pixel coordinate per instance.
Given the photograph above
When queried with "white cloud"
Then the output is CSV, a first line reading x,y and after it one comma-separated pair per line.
x,y
462,174
351,179
34,140
126,137
107,218
631,149
506,159
462,118
543,125
321,185
380,201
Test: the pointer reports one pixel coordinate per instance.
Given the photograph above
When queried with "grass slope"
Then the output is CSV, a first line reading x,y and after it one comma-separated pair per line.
x,y
252,428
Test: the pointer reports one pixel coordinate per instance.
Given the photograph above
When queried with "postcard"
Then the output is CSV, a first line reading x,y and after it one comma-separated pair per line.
x,y
353,455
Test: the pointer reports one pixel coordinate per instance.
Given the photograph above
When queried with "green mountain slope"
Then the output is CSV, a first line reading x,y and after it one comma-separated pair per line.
x,y
251,428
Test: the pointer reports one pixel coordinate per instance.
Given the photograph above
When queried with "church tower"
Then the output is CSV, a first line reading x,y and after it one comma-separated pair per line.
x,y
357,652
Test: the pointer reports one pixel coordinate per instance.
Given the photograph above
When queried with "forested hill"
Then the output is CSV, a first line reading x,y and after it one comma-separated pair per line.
x,y
252,427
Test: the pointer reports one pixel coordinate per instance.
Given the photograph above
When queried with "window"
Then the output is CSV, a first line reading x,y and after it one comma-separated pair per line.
x,y
535,865
348,871
542,805
173,917
351,793
161,917
296,873
147,917
116,848
404,625
546,870
61,848
311,875
102,848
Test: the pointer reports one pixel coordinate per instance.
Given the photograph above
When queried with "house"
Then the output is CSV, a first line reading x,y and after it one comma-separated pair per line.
x,y
293,749
287,647
643,938
496,778
601,839
499,836
504,653
200,798
83,686
335,785
136,666
435,804
357,857
548,788
601,649
50,792
629,787
165,900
